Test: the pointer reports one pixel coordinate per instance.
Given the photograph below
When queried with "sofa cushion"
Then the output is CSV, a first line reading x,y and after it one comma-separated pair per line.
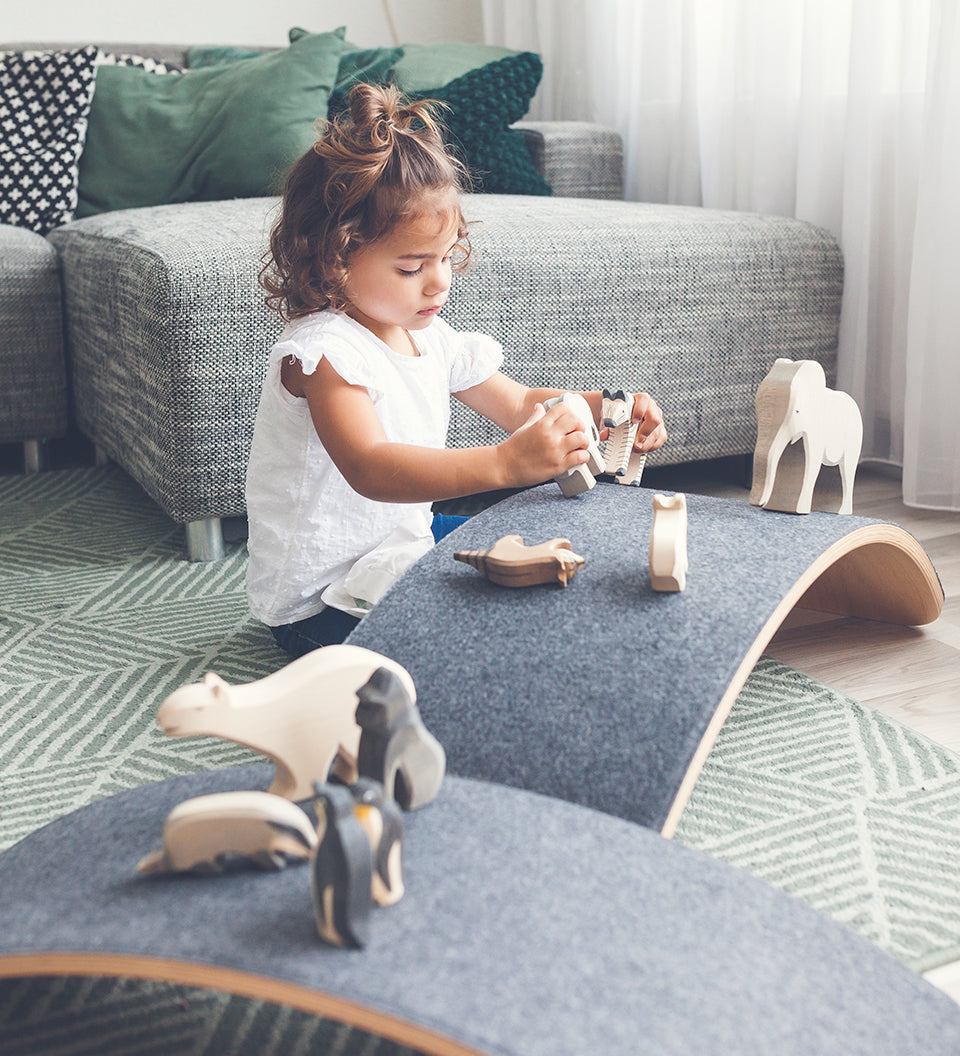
x,y
221,132
357,66
44,102
33,376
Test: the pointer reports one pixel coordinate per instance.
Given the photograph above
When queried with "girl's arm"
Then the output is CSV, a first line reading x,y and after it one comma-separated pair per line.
x,y
509,404
379,469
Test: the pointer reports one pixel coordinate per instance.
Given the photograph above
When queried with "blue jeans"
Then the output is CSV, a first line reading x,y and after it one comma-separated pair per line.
x,y
331,626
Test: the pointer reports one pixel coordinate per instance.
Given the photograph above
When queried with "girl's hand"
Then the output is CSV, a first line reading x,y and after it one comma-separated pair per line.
x,y
652,432
547,444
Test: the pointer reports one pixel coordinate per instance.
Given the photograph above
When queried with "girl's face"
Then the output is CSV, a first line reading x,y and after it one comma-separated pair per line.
x,y
401,282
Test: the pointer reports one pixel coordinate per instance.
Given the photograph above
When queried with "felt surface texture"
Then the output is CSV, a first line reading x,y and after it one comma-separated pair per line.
x,y
528,926
599,692
804,788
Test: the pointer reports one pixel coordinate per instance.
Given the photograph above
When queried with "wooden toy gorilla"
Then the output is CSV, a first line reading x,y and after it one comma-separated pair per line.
x,y
396,749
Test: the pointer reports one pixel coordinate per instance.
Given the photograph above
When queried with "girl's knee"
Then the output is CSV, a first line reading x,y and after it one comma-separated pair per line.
x,y
329,627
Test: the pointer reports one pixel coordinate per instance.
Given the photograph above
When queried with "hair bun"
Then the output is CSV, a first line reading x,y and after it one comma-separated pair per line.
x,y
383,111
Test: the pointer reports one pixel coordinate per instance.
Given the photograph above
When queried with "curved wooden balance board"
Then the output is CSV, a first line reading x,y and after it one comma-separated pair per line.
x,y
529,927
605,692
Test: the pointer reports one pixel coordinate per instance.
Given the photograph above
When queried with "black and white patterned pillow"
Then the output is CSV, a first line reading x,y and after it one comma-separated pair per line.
x,y
44,101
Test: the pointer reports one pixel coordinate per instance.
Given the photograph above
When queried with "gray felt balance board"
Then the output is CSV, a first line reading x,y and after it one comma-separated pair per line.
x,y
604,692
529,927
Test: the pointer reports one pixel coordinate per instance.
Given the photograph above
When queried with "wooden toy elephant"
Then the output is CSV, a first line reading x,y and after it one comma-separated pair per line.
x,y
793,403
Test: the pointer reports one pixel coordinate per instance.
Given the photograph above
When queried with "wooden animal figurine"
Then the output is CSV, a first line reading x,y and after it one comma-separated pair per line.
x,y
382,821
341,870
793,403
396,749
299,716
579,479
509,563
211,833
621,462
668,543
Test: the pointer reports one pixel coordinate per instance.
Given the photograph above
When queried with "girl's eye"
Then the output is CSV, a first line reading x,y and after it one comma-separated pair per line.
x,y
416,271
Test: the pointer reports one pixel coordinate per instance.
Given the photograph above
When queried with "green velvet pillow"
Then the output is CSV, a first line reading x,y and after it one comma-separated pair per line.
x,y
482,104
203,55
428,66
364,66
357,65
227,131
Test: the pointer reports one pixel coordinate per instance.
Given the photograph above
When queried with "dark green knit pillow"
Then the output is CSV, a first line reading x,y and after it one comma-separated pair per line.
x,y
482,104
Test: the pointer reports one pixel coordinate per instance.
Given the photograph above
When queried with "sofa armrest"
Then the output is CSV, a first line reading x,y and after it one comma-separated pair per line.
x,y
577,158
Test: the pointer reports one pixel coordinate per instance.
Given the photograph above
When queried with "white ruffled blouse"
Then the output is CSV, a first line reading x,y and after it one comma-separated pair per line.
x,y
307,526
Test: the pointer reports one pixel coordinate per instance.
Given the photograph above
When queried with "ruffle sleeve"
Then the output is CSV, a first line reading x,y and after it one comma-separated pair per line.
x,y
477,358
325,339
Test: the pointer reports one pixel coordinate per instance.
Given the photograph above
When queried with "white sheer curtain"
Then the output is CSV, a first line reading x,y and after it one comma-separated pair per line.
x,y
845,113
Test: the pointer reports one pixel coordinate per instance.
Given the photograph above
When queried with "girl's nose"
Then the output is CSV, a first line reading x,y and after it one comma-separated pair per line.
x,y
436,280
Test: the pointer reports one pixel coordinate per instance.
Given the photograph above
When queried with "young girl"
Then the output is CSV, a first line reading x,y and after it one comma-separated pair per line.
x,y
348,449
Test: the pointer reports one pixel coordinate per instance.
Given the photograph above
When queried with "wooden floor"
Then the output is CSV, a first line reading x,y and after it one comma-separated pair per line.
x,y
909,673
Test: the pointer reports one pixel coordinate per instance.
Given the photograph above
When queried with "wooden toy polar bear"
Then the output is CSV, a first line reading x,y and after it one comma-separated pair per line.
x,y
794,403
302,716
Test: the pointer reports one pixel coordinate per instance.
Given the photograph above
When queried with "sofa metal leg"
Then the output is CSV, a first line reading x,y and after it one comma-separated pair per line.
x,y
205,540
33,460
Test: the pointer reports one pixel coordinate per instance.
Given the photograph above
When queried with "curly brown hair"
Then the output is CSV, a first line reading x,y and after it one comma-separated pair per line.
x,y
370,169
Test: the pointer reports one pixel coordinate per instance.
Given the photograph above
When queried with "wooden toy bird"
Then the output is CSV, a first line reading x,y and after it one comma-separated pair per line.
x,y
509,563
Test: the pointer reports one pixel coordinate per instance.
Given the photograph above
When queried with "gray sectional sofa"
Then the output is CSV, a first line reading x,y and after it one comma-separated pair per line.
x,y
167,335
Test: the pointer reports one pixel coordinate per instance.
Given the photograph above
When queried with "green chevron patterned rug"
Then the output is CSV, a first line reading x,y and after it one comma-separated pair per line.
x,y
101,617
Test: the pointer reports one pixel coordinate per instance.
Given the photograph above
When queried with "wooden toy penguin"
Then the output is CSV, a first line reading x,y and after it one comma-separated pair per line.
x,y
382,821
341,870
396,749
